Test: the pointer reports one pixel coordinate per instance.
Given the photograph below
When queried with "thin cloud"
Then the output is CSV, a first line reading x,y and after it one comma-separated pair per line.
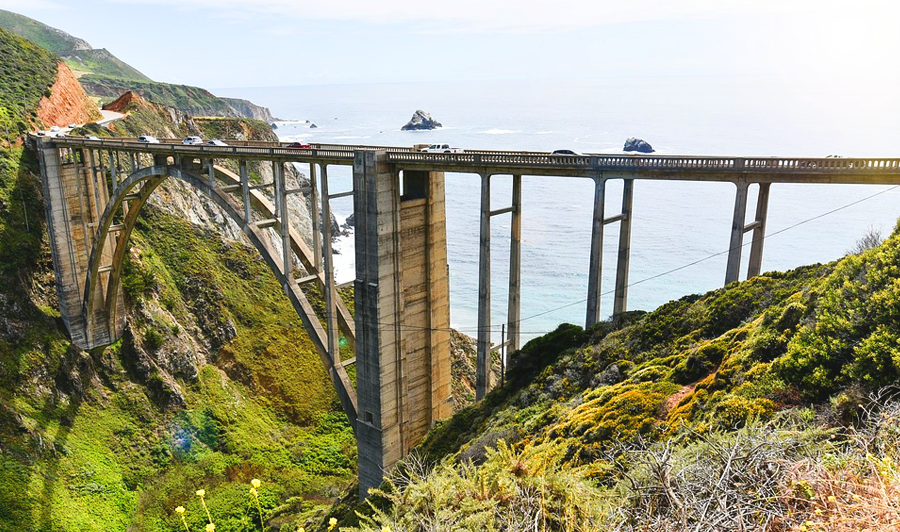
x,y
480,16
16,5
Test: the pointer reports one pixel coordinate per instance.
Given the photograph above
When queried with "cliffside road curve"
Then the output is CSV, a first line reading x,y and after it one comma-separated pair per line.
x,y
109,116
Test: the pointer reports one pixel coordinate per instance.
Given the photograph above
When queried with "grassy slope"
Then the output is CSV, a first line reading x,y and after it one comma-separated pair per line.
x,y
192,100
26,74
71,49
816,339
107,440
57,42
101,62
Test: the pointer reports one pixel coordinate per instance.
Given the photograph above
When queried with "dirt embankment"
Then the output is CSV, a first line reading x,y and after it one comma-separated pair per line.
x,y
67,103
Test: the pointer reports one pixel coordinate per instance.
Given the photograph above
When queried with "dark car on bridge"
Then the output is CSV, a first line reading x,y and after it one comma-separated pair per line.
x,y
300,145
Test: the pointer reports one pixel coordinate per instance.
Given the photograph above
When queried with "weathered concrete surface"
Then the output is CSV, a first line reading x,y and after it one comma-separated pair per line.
x,y
402,312
76,192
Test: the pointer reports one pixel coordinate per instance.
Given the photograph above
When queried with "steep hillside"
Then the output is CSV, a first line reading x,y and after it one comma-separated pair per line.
x,y
779,385
27,73
105,76
192,100
79,55
202,392
67,102
53,40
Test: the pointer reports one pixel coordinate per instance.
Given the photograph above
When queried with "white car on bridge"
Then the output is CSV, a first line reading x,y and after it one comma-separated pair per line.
x,y
441,148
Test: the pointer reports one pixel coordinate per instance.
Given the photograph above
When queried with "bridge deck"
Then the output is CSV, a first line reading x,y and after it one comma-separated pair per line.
x,y
653,167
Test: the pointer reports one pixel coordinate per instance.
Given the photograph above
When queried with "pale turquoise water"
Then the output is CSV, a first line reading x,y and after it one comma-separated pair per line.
x,y
675,224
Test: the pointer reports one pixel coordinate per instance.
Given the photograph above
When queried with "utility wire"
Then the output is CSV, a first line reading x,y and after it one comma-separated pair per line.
x,y
393,325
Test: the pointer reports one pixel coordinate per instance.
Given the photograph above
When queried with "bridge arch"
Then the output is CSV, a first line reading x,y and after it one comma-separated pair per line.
x,y
136,189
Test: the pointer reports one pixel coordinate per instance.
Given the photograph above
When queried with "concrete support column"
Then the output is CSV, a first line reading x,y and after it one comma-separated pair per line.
x,y
245,190
402,311
281,212
210,164
759,231
483,360
330,292
621,298
314,216
513,314
73,199
733,268
114,168
376,214
595,269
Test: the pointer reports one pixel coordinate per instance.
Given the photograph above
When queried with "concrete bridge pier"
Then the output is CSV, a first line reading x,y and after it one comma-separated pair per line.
x,y
739,227
595,270
402,311
75,193
483,374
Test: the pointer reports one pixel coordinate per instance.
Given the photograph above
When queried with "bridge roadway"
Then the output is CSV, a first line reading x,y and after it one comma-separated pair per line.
x,y
663,167
403,371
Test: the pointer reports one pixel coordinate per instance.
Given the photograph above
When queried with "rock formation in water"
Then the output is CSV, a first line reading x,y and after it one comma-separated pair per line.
x,y
638,145
421,120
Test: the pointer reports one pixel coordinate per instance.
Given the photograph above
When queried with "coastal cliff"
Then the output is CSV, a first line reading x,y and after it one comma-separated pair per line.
x,y
67,102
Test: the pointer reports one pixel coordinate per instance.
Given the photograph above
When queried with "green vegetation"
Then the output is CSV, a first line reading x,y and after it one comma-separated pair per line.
x,y
77,53
102,63
50,39
739,371
214,382
192,100
26,74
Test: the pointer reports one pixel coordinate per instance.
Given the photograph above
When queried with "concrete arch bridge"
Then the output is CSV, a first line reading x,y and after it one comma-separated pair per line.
x,y
94,191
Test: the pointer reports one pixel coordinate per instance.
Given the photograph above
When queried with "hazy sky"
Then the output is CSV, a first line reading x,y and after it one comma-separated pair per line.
x,y
254,43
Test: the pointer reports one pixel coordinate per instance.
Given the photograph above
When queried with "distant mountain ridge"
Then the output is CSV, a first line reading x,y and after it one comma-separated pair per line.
x,y
77,53
105,76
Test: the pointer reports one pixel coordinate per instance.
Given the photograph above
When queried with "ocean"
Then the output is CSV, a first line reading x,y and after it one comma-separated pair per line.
x,y
680,230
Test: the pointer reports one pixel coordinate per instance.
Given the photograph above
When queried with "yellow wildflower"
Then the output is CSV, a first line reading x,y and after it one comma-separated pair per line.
x,y
255,482
831,498
179,510
385,529
210,527
332,523
201,493
253,491
301,529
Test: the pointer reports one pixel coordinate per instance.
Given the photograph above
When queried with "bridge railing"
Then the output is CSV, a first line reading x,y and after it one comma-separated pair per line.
x,y
470,160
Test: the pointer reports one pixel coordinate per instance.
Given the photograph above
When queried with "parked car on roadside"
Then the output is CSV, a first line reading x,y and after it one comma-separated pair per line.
x,y
54,129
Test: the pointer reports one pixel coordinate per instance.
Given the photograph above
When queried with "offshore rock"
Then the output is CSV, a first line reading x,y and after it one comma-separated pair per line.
x,y
421,121
638,145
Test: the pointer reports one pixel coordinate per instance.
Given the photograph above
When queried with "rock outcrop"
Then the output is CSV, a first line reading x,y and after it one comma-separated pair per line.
x,y
421,121
638,145
248,109
67,102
